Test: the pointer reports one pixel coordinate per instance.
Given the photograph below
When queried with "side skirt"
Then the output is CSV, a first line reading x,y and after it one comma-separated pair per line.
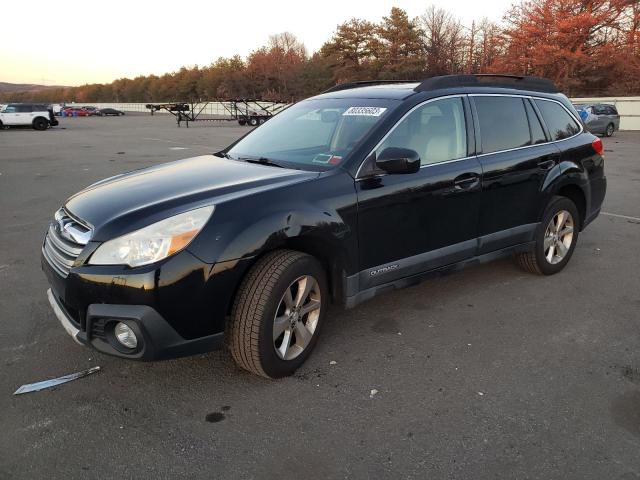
x,y
369,293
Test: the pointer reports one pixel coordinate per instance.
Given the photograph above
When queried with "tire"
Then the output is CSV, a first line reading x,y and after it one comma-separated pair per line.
x,y
608,132
253,121
261,300
242,122
541,260
261,121
40,124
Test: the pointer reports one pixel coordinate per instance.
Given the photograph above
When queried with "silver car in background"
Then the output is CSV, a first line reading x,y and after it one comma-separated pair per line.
x,y
600,118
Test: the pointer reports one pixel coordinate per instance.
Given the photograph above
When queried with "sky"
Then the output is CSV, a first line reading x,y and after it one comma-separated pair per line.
x,y
73,42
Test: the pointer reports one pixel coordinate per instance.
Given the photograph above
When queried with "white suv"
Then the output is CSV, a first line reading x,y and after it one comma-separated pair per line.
x,y
39,116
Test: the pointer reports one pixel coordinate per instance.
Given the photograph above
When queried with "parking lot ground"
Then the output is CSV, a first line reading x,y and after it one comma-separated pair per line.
x,y
486,373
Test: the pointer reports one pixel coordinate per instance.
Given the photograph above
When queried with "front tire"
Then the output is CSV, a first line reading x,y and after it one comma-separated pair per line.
x,y
555,239
278,313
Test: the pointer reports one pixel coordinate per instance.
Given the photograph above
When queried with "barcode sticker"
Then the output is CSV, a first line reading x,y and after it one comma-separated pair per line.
x,y
364,111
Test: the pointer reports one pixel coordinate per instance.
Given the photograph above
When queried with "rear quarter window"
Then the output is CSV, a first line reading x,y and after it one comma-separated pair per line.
x,y
503,123
560,124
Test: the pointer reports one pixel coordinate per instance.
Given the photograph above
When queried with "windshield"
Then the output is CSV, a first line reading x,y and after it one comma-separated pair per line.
x,y
313,134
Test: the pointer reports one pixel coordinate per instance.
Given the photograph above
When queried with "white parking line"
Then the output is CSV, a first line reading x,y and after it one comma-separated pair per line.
x,y
626,217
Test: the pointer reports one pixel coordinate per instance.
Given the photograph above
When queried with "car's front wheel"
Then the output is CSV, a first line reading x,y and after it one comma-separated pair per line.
x,y
278,313
555,240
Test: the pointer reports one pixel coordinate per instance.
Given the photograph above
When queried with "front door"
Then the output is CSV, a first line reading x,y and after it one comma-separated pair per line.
x,y
411,223
10,115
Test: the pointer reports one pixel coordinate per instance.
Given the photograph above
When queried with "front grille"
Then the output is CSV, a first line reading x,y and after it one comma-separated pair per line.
x,y
64,241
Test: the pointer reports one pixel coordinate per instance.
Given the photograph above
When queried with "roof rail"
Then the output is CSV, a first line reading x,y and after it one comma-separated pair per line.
x,y
520,82
364,83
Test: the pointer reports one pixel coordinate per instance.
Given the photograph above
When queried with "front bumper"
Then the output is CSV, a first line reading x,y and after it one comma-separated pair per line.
x,y
156,338
177,307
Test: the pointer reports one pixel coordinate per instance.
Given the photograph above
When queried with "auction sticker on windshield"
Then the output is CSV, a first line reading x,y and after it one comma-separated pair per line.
x,y
365,111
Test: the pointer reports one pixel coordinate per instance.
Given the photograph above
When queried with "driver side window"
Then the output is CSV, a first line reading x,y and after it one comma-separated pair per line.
x,y
436,130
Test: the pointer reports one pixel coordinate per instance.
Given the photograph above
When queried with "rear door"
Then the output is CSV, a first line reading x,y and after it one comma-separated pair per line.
x,y
600,120
516,158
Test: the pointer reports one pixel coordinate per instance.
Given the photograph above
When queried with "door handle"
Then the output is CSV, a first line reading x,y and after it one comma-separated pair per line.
x,y
547,164
466,181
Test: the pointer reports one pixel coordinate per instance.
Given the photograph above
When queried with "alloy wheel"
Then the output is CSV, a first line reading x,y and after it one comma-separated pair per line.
x,y
296,317
558,237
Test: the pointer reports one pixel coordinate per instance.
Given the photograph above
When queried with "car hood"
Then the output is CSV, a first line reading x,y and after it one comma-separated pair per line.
x,y
133,200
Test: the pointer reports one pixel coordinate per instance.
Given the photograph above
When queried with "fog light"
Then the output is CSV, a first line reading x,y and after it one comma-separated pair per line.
x,y
125,335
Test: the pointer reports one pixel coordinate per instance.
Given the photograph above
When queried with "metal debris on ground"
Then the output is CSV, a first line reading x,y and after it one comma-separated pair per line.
x,y
35,387
373,393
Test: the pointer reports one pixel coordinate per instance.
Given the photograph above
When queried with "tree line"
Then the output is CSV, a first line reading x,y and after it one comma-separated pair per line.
x,y
588,47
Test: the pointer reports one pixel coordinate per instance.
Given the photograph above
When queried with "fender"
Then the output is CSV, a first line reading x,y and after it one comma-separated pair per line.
x,y
567,174
318,218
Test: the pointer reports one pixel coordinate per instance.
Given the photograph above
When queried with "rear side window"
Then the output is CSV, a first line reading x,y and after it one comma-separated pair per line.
x,y
23,108
559,122
503,123
611,110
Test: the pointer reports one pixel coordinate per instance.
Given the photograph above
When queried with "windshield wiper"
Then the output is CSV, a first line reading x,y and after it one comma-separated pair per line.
x,y
262,161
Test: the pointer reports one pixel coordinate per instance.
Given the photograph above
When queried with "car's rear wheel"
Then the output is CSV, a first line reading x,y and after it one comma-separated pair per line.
x,y
555,240
609,130
277,314
40,124
253,121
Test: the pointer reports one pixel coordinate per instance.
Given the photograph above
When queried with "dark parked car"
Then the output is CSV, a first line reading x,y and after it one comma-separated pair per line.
x,y
600,118
110,111
343,196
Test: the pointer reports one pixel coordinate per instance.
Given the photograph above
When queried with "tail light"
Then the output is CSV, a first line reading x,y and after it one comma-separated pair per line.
x,y
597,146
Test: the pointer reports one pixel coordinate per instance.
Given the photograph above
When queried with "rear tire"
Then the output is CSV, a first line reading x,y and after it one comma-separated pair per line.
x,y
40,124
253,121
555,239
608,132
277,314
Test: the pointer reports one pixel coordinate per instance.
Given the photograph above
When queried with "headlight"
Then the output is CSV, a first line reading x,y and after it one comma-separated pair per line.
x,y
154,242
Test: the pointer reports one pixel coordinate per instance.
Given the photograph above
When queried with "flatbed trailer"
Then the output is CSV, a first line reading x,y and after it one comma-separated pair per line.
x,y
250,112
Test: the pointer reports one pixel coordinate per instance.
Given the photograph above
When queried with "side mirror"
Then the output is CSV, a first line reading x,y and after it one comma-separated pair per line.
x,y
396,160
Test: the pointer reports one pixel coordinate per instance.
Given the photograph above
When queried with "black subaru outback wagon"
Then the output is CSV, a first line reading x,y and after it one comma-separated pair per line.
x,y
348,194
